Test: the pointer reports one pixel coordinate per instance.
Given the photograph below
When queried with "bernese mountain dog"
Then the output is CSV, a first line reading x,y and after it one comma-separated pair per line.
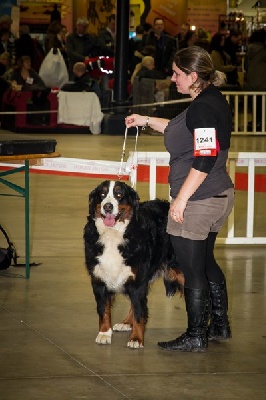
x,y
126,248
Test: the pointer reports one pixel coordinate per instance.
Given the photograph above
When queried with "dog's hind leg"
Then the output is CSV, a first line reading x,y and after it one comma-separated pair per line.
x,y
126,324
105,326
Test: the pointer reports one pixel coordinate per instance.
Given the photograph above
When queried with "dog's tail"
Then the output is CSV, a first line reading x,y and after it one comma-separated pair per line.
x,y
173,281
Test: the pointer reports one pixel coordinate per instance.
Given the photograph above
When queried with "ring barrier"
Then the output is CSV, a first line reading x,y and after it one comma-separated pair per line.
x,y
249,110
236,161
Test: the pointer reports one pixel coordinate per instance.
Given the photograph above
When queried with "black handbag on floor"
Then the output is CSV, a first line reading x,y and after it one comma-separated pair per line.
x,y
8,254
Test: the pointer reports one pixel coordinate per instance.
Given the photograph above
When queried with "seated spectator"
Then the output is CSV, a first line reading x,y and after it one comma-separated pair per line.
x,y
4,85
82,81
25,78
145,69
5,64
138,56
221,60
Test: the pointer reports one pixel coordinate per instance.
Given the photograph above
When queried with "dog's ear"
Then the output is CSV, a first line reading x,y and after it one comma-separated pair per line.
x,y
134,197
92,197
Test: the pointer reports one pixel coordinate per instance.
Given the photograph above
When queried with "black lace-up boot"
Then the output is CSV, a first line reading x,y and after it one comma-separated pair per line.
x,y
195,338
219,328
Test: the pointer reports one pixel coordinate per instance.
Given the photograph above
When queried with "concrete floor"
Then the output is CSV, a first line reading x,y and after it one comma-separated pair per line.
x,y
49,322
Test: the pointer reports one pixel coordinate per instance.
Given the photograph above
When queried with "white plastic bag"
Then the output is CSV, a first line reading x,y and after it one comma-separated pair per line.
x,y
53,70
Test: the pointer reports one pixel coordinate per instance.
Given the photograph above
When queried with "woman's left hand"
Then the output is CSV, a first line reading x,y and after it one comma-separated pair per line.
x,y
177,209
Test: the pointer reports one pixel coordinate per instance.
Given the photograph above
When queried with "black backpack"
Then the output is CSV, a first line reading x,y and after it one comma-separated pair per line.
x,y
9,254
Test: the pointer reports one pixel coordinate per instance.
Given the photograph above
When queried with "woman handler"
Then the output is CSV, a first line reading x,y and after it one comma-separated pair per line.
x,y
202,193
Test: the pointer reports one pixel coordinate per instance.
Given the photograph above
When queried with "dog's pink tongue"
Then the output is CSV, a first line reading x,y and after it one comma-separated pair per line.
x,y
109,220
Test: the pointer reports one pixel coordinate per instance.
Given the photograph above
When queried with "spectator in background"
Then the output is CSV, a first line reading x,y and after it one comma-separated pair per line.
x,y
135,49
189,40
203,40
55,14
222,61
255,66
4,85
24,44
82,81
6,23
107,37
56,39
164,45
80,45
147,30
25,78
5,64
146,69
28,46
185,27
231,45
4,38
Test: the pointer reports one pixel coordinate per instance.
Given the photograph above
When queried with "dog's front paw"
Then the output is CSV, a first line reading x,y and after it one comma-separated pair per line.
x,y
104,337
122,327
135,344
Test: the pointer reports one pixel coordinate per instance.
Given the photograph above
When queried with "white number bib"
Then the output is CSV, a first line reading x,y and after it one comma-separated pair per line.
x,y
205,142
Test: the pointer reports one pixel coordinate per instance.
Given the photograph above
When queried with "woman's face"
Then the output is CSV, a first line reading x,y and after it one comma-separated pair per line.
x,y
27,63
181,80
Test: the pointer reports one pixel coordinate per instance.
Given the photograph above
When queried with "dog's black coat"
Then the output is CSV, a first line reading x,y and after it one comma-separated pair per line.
x,y
144,247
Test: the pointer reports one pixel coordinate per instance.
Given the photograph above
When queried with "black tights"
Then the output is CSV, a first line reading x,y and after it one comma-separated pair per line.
x,y
197,261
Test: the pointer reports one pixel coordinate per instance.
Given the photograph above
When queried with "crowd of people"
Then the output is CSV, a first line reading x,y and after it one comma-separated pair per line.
x,y
150,55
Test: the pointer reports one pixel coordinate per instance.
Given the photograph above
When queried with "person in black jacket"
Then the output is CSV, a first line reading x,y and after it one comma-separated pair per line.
x,y
82,81
164,44
81,46
24,44
107,37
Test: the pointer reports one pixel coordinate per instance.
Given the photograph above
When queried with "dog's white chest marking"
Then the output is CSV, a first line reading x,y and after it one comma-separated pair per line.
x,y
111,268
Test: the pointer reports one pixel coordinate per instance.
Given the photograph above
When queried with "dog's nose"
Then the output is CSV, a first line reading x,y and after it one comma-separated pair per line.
x,y
108,207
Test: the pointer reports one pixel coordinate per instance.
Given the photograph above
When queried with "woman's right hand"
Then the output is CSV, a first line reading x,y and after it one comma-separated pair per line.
x,y
135,120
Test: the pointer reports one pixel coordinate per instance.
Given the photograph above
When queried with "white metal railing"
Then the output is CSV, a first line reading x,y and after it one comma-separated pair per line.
x,y
245,107
235,160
